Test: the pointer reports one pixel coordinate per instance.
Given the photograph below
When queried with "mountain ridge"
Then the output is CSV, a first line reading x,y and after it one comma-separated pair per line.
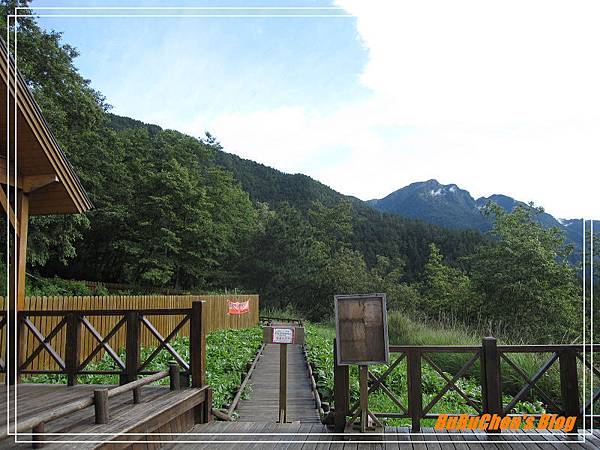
x,y
450,206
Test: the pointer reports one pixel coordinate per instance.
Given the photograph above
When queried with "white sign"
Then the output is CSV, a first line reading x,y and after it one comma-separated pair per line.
x,y
283,335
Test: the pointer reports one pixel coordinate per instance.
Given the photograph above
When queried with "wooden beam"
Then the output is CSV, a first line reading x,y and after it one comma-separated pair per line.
x,y
34,182
6,206
17,270
23,228
29,183
10,180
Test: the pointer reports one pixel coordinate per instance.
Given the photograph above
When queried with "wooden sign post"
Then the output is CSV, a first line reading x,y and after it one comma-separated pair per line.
x,y
283,335
361,339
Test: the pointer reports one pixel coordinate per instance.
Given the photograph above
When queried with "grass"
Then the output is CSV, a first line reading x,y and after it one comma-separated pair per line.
x,y
404,331
227,354
319,338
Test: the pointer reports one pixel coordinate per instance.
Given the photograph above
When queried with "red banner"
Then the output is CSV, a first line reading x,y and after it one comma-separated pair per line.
x,y
239,307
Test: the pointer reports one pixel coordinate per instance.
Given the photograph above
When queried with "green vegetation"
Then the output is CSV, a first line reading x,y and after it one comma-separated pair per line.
x,y
56,286
227,353
319,340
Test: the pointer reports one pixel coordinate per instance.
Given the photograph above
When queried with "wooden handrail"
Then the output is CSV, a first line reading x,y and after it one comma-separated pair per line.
x,y
137,383
57,413
78,405
131,323
282,319
521,348
238,395
490,356
104,312
313,385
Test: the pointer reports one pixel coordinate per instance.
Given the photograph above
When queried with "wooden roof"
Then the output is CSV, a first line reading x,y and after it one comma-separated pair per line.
x,y
43,171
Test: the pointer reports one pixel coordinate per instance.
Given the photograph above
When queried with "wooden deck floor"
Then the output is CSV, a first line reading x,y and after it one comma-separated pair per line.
x,y
262,406
158,405
295,436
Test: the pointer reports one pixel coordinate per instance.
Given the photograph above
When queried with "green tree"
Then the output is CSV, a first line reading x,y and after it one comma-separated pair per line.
x,y
447,291
525,278
294,263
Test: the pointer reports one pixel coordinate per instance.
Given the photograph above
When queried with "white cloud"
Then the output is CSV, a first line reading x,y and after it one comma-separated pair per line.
x,y
497,97
477,60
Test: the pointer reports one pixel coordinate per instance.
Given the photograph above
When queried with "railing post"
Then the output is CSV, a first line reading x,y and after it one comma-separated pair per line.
x,y
132,347
174,380
491,385
197,344
14,359
137,395
569,384
37,435
101,406
415,394
207,406
72,347
341,385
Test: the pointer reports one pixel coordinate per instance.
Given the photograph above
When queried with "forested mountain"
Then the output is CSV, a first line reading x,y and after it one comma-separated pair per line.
x,y
374,233
450,206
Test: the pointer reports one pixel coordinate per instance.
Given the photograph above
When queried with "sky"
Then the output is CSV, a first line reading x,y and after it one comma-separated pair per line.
x,y
496,97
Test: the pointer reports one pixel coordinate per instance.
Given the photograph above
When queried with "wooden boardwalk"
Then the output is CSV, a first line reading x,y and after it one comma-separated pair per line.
x,y
264,396
305,436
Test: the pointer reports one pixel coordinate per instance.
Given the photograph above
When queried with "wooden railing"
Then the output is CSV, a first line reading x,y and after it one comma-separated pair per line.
x,y
100,401
491,358
268,320
215,313
76,324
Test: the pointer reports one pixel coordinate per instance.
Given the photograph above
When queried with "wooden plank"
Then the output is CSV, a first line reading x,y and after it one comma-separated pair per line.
x,y
298,439
441,436
527,437
415,438
263,404
396,434
557,440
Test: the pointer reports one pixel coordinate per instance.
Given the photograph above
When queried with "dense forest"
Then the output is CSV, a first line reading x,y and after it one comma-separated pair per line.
x,y
177,211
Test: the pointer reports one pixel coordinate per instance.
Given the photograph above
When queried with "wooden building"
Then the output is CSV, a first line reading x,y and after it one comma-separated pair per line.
x,y
33,169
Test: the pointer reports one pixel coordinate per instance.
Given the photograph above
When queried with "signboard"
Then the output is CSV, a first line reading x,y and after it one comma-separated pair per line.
x,y
361,329
283,334
238,307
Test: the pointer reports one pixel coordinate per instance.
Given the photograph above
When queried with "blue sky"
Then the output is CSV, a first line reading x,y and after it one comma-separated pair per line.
x,y
495,98
172,68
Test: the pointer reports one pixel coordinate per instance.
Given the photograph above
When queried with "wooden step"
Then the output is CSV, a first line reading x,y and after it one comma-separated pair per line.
x,y
161,411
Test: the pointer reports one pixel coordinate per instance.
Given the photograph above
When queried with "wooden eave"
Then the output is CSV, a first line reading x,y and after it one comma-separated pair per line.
x,y
44,172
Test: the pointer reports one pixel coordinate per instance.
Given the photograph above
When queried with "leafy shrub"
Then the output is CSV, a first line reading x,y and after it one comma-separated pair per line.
x,y
38,286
